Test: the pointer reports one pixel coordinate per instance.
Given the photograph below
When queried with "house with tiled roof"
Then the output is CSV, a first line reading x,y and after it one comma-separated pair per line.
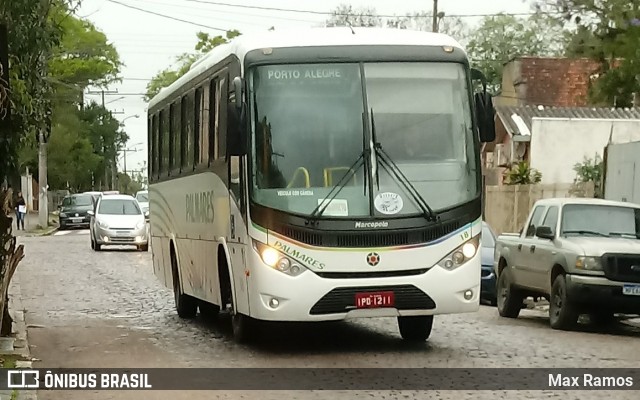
x,y
542,117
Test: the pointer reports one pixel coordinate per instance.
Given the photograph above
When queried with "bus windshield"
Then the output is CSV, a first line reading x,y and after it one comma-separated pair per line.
x,y
309,122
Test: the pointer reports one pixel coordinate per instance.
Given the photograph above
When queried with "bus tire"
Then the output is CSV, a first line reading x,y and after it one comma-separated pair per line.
x,y
186,305
416,328
208,310
240,323
241,326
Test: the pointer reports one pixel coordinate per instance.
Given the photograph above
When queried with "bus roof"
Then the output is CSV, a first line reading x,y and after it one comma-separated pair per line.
x,y
308,37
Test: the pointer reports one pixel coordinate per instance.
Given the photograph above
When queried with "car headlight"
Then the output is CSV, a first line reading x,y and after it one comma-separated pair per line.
x,y
461,254
140,225
63,215
103,225
589,263
277,260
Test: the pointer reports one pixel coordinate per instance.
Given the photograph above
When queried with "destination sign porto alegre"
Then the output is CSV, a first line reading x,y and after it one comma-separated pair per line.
x,y
306,73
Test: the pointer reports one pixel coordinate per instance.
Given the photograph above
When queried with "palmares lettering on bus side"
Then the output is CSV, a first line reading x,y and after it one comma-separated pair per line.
x,y
200,207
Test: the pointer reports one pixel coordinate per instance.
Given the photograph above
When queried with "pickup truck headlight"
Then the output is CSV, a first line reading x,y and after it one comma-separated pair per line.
x,y
589,263
461,254
277,260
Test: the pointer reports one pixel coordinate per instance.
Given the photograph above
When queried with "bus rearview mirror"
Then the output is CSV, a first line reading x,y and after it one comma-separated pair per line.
x,y
237,90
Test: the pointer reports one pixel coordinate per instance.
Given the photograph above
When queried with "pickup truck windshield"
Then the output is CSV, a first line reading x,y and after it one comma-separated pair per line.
x,y
599,220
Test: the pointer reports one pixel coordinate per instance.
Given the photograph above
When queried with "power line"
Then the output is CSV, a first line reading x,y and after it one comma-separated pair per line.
x,y
302,11
167,16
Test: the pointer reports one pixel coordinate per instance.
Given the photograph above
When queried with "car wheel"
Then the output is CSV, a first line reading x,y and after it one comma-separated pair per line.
x,y
562,312
509,298
415,328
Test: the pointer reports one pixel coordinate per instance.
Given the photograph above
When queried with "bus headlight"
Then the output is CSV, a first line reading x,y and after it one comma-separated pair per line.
x,y
277,260
461,254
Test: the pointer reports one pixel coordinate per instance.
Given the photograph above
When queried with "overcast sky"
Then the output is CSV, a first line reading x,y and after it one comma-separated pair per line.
x,y
148,43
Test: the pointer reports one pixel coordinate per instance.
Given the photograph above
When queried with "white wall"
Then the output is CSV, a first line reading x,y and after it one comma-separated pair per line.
x,y
622,181
558,144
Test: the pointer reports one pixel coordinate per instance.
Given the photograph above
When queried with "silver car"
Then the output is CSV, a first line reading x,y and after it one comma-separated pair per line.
x,y
118,220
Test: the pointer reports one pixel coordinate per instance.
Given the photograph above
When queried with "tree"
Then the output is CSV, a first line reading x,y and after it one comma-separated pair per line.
x,y
184,62
522,174
608,31
499,39
423,21
590,170
346,15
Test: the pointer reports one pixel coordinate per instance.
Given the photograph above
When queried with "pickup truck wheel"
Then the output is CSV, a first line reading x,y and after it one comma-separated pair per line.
x,y
562,312
509,298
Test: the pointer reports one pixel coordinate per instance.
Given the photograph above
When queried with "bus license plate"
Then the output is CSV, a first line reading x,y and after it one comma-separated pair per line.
x,y
631,290
374,300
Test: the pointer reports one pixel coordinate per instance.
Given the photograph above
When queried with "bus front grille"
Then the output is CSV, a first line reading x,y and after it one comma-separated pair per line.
x,y
357,239
341,300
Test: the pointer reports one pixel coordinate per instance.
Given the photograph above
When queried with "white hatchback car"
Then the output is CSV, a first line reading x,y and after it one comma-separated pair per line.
x,y
118,220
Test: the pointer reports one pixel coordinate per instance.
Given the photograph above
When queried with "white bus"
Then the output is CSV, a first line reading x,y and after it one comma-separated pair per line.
x,y
321,174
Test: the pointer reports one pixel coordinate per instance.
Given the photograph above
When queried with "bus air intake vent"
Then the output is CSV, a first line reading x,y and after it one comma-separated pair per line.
x,y
356,239
342,300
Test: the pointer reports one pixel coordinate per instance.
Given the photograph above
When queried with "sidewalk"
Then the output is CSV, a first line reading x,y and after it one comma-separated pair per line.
x,y
32,225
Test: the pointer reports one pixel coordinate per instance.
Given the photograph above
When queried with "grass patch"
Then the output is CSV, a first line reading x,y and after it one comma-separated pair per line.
x,y
9,361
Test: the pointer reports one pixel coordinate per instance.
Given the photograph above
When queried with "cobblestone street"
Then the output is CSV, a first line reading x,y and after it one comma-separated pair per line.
x,y
106,309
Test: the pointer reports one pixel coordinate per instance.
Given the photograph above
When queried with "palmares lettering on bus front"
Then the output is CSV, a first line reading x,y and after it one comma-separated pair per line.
x,y
322,175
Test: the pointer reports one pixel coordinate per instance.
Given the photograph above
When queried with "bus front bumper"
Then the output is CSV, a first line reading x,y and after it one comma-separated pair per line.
x,y
276,296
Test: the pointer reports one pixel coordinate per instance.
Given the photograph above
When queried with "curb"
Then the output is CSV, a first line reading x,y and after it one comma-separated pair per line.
x,y
48,232
20,343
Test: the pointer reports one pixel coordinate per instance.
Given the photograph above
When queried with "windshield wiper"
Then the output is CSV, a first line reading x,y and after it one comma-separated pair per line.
x,y
337,188
392,168
635,235
584,232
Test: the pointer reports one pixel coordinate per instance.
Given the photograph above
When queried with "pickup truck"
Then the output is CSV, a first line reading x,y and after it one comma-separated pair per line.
x,y
582,255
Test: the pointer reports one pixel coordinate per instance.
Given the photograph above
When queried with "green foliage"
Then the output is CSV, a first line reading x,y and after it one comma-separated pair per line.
x,y
346,15
184,62
522,174
84,57
501,38
608,31
590,170
33,31
129,185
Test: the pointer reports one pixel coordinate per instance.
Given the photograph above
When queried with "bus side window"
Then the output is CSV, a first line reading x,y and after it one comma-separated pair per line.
x,y
151,149
197,128
175,135
156,148
165,131
213,119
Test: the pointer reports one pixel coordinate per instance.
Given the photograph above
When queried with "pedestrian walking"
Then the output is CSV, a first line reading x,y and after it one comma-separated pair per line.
x,y
21,210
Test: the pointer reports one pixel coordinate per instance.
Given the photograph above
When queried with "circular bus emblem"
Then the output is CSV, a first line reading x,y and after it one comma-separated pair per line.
x,y
373,259
388,203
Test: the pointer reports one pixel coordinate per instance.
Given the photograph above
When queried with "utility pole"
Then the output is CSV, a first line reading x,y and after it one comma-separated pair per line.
x,y
435,15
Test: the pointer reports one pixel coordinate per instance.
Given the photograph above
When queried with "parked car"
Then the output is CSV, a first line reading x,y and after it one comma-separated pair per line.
x,y
118,220
143,199
583,255
74,211
488,282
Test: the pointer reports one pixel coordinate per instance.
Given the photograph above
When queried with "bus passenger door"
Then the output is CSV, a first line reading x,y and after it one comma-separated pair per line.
x,y
237,237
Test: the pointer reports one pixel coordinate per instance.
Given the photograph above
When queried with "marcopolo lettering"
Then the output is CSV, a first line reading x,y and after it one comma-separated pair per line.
x,y
377,224
199,207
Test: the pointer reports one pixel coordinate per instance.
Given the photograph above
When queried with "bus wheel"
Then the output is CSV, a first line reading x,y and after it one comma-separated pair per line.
x,y
240,324
208,310
186,305
415,329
